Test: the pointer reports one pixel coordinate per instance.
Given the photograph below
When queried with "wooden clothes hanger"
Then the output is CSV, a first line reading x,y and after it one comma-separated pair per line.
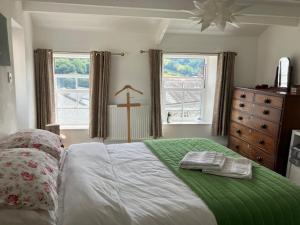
x,y
126,87
128,105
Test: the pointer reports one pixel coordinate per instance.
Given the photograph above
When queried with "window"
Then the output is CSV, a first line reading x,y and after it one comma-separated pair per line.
x,y
71,82
186,83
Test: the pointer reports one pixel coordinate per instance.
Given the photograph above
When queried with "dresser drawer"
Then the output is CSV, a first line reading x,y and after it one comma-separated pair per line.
x,y
240,146
262,158
267,113
254,122
243,95
263,126
242,105
267,100
239,117
237,130
254,137
251,152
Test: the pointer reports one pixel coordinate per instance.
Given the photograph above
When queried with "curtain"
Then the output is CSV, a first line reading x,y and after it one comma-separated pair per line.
x,y
155,72
44,86
223,95
99,83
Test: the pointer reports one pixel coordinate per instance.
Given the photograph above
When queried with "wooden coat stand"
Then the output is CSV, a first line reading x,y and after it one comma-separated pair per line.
x,y
128,105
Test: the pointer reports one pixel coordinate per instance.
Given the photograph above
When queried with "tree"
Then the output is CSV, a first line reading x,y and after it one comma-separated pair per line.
x,y
187,67
65,65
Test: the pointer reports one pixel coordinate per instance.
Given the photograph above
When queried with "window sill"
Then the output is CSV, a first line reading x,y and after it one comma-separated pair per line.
x,y
70,127
188,123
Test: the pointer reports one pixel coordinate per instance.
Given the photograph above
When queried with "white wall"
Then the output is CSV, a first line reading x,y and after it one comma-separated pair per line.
x,y
274,43
134,67
18,42
31,109
12,9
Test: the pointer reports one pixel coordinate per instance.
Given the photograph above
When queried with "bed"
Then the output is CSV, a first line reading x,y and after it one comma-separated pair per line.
x,y
142,184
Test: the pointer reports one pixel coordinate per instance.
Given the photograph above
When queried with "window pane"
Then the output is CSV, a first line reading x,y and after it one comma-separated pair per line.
x,y
175,115
193,83
173,99
66,83
83,83
183,66
69,65
72,116
72,89
191,115
192,96
183,87
172,83
83,100
66,100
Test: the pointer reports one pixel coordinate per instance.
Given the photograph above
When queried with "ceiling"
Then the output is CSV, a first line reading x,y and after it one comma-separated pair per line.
x,y
133,24
156,17
95,22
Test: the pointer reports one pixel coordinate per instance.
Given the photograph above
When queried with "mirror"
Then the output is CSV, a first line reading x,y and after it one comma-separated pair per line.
x,y
283,76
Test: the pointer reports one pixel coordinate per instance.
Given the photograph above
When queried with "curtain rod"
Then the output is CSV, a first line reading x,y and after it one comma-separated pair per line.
x,y
191,53
70,52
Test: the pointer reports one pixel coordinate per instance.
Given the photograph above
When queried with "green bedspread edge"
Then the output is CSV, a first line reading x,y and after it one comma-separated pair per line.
x,y
266,199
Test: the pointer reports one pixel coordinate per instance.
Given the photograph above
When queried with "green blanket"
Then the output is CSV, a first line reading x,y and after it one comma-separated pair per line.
x,y
267,199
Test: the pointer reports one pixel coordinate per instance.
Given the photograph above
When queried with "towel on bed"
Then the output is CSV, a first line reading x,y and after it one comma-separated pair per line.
x,y
233,167
203,160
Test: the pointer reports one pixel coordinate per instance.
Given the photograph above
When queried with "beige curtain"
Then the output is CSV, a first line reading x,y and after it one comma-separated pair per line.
x,y
223,96
44,85
155,71
99,83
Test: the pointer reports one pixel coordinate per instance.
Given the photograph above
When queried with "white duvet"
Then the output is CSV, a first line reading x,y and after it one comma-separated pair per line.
x,y
125,184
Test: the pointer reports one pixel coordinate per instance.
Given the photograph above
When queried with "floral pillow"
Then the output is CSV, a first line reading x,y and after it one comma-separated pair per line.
x,y
28,179
35,138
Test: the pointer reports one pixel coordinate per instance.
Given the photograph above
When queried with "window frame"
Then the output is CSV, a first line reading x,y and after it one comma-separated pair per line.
x,y
203,90
58,91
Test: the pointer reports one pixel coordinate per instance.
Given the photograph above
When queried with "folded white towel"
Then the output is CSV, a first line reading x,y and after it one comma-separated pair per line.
x,y
203,160
235,168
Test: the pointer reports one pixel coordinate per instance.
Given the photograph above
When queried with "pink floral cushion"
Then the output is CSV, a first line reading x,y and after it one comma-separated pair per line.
x,y
39,139
28,179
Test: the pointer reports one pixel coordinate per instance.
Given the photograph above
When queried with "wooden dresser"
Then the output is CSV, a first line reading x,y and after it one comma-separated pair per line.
x,y
261,125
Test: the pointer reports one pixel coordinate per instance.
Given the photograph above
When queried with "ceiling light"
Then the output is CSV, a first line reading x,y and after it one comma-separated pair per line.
x,y
216,12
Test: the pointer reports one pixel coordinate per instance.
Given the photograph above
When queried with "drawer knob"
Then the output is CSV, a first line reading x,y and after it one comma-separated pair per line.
x,y
243,96
268,101
262,142
242,105
240,118
266,112
259,158
237,147
264,126
238,131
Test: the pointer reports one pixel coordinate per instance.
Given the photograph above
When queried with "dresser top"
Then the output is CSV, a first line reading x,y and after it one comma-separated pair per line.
x,y
269,91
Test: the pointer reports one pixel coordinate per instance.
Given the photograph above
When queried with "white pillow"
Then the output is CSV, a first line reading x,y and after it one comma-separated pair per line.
x,y
28,179
41,140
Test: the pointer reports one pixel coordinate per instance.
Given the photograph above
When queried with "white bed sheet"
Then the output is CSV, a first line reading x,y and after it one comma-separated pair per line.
x,y
125,184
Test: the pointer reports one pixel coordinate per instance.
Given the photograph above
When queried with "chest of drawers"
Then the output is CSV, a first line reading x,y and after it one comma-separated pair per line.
x,y
261,125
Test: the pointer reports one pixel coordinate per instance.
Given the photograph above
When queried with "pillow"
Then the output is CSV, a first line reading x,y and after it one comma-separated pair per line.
x,y
28,179
34,138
